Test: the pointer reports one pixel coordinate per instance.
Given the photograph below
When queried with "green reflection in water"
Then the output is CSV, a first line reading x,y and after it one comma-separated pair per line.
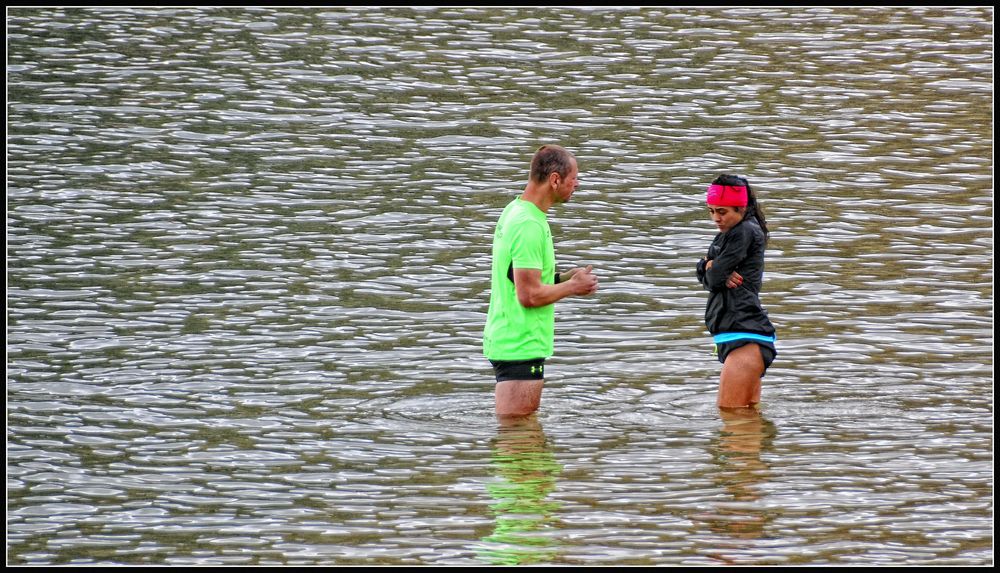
x,y
527,470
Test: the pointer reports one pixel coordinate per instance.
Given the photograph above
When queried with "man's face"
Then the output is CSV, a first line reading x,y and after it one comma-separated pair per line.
x,y
567,185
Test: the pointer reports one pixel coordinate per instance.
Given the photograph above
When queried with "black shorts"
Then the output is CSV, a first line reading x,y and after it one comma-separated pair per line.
x,y
533,369
767,351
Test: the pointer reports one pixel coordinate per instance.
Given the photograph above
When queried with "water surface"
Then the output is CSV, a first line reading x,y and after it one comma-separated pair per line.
x,y
248,270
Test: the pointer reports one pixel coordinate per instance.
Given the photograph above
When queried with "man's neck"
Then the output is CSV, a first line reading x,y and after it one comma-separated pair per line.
x,y
539,195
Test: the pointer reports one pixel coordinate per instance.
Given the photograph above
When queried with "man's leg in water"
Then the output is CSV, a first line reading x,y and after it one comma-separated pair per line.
x,y
516,398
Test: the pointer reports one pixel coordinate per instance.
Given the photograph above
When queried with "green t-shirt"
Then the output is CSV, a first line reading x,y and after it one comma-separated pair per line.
x,y
514,332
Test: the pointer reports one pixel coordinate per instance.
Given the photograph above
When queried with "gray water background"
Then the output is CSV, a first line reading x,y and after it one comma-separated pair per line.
x,y
248,269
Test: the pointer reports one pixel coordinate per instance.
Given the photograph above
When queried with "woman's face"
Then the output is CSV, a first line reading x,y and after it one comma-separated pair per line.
x,y
725,218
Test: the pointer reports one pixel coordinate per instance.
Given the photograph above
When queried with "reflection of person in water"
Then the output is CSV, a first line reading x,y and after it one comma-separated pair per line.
x,y
744,434
528,470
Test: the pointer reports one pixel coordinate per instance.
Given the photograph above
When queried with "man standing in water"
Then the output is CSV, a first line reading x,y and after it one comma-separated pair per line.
x,y
520,324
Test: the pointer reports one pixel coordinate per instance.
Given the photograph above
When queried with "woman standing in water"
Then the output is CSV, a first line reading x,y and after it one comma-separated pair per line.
x,y
732,272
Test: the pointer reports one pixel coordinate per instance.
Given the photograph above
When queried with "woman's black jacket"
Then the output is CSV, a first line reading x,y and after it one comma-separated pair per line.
x,y
739,249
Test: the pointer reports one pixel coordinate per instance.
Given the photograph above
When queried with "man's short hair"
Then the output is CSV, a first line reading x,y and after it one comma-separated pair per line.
x,y
550,159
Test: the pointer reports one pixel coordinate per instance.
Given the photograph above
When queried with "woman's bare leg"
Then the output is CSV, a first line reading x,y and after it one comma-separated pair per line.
x,y
739,384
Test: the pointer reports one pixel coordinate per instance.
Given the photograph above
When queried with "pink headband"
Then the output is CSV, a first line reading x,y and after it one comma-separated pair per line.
x,y
727,195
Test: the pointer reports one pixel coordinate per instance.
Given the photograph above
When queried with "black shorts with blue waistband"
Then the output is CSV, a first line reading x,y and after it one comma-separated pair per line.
x,y
729,341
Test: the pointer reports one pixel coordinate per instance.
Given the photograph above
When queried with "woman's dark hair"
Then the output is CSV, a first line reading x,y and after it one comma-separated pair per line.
x,y
753,207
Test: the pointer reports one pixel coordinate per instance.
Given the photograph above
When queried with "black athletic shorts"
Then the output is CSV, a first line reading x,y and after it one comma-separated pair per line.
x,y
519,369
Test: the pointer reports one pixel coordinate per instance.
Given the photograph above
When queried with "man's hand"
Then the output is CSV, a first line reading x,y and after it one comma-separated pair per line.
x,y
584,281
532,293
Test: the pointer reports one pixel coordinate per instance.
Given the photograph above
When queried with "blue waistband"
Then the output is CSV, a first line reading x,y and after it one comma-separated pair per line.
x,y
731,336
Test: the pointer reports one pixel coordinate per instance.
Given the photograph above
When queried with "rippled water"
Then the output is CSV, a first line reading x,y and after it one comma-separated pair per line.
x,y
248,269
